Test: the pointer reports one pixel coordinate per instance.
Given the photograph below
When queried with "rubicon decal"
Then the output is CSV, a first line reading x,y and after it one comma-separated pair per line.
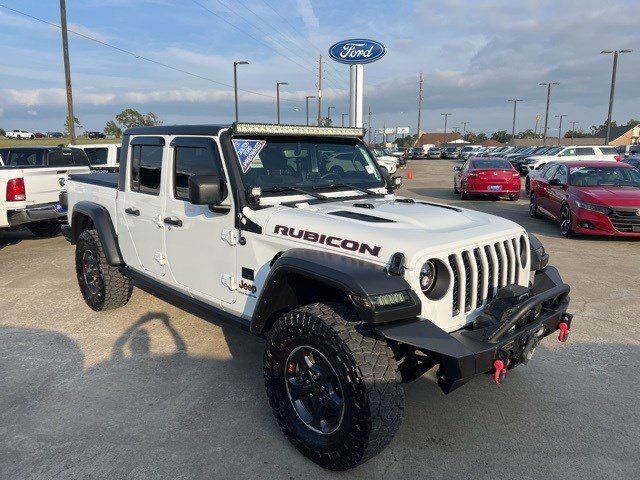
x,y
331,240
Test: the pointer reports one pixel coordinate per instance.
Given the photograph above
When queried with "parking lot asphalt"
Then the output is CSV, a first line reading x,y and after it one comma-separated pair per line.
x,y
152,391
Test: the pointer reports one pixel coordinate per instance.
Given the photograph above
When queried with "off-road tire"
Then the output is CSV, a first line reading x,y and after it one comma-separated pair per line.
x,y
368,375
49,228
113,289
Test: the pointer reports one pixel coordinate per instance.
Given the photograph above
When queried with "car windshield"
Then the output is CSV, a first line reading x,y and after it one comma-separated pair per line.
x,y
492,164
604,176
277,164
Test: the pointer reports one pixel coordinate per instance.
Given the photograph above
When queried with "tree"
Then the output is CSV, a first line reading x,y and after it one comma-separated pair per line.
x,y
528,133
501,136
132,118
326,122
406,141
111,129
632,123
575,134
67,125
2,132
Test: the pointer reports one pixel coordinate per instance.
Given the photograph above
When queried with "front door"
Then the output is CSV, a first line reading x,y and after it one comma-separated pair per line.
x,y
558,193
143,205
200,241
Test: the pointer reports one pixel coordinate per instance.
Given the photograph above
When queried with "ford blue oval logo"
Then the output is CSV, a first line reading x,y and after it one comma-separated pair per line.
x,y
357,50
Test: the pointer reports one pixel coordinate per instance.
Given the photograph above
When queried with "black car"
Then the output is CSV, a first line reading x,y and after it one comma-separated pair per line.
x,y
96,135
55,134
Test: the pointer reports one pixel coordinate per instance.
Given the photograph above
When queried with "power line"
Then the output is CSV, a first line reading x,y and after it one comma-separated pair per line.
x,y
134,54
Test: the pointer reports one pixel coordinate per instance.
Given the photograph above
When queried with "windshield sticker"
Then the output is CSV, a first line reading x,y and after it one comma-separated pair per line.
x,y
369,168
247,151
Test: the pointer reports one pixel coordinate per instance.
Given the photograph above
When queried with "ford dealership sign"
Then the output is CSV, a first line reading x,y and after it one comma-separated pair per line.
x,y
356,51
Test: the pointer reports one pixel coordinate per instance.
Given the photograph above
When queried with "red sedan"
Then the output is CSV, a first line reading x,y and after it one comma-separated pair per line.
x,y
487,176
594,198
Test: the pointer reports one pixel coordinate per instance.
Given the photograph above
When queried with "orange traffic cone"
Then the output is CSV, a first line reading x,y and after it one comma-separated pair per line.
x,y
409,174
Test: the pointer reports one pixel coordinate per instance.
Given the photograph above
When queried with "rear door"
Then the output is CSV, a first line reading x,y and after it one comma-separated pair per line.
x,y
142,209
200,241
542,191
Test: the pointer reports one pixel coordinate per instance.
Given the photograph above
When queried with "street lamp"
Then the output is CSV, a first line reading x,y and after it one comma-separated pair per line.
x,y
546,116
613,85
445,115
560,127
343,115
235,83
278,98
513,126
307,101
329,115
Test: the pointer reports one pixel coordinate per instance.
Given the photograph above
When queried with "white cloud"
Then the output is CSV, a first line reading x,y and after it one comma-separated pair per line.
x,y
305,9
32,113
84,30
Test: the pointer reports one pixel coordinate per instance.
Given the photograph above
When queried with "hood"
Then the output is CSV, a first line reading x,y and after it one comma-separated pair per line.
x,y
614,197
380,227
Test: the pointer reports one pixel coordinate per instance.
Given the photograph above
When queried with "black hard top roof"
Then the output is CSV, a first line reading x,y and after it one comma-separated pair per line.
x,y
39,147
177,130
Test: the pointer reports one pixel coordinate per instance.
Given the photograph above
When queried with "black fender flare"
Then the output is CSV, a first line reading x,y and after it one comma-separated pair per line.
x,y
351,277
101,219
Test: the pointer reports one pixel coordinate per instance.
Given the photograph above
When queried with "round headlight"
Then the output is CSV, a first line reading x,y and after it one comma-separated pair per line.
x,y
428,275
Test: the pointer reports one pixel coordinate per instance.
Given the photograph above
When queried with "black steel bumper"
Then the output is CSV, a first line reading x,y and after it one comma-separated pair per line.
x,y
469,352
35,213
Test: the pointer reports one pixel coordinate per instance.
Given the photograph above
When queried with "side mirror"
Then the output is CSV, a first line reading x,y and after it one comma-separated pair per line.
x,y
206,190
555,182
457,168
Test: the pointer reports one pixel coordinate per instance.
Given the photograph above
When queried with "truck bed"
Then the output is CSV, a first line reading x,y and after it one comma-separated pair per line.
x,y
102,179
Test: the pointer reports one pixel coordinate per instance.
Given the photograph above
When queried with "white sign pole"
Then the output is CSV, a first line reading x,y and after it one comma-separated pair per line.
x,y
356,95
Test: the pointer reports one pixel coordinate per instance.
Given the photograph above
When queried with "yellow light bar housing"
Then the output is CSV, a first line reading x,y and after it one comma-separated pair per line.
x,y
299,130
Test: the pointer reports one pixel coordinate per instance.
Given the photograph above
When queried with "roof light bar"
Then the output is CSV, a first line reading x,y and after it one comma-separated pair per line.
x,y
271,129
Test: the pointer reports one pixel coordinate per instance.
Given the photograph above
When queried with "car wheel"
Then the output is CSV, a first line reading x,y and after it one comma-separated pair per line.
x,y
514,198
46,229
455,188
463,192
334,388
533,207
566,228
102,285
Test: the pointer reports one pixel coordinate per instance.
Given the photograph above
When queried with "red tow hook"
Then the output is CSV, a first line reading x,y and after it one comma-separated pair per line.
x,y
564,331
499,371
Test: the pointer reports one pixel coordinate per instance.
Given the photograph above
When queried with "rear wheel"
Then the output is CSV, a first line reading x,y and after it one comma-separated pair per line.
x,y
463,192
566,227
102,285
514,198
50,228
334,390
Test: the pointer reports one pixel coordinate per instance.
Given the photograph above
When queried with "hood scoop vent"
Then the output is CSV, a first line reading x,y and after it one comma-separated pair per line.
x,y
364,205
361,216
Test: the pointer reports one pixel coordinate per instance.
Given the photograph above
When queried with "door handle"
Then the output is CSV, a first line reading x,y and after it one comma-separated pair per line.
x,y
132,211
176,222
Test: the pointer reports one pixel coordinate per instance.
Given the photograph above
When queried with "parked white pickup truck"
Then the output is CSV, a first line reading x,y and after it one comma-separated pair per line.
x,y
102,155
31,180
295,234
20,134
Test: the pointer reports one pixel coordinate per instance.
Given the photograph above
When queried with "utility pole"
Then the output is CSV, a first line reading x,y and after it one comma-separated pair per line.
x,y
320,91
343,115
613,86
307,102
329,114
513,126
369,125
235,83
419,109
560,127
445,125
464,129
278,84
67,72
546,116
573,129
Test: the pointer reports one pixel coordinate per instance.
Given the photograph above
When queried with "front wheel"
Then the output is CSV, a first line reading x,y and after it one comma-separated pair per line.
x,y
533,207
565,222
334,390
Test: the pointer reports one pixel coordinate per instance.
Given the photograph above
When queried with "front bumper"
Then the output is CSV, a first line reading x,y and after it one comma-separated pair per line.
x,y
35,213
470,352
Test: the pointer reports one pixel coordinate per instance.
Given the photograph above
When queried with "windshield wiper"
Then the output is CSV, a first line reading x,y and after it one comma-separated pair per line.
x,y
296,189
346,185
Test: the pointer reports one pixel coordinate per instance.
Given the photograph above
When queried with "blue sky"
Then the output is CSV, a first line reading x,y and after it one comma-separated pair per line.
x,y
474,54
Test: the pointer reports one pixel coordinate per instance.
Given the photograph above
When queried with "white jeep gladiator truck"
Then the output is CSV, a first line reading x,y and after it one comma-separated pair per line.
x,y
295,234
31,180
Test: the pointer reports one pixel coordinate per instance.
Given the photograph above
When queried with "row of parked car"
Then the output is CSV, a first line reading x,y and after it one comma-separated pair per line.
x,y
19,134
586,190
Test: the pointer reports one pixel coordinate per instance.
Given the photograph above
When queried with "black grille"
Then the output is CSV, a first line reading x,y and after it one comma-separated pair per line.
x,y
479,283
467,284
490,291
625,220
500,265
456,282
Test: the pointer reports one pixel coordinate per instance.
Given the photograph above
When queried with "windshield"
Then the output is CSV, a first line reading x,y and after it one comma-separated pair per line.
x,y
276,164
604,176
493,164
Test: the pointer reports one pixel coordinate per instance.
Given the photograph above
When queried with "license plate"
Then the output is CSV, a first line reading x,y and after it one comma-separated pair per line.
x,y
495,187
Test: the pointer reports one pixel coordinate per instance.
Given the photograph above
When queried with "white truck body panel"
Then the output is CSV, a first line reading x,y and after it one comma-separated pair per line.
x,y
100,151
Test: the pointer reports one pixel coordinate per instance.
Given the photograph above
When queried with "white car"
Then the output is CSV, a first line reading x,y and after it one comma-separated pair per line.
x,y
469,151
597,153
294,233
102,155
386,161
20,135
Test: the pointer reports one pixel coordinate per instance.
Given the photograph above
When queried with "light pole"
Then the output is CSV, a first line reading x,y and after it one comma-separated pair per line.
x,y
546,116
235,83
513,126
329,115
464,129
535,129
278,99
71,119
343,115
573,129
560,127
445,115
613,85
307,102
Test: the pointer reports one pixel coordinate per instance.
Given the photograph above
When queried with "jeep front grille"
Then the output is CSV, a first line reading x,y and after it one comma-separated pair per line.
x,y
479,273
